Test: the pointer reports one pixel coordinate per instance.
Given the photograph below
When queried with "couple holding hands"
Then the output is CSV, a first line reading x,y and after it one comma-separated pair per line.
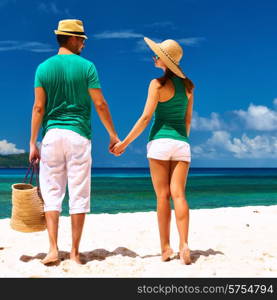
x,y
65,87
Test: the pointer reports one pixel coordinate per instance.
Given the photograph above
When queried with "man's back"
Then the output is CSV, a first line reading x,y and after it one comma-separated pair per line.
x,y
65,86
66,79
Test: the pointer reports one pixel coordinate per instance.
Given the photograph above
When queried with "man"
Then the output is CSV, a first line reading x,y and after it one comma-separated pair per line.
x,y
65,84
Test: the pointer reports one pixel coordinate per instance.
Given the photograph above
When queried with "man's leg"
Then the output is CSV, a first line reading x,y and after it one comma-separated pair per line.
x,y
52,222
53,185
78,157
77,224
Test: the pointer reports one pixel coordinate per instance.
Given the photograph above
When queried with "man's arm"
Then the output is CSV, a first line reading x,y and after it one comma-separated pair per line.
x,y
104,114
37,116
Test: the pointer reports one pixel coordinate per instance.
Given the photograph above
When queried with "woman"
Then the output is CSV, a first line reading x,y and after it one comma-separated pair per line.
x,y
168,149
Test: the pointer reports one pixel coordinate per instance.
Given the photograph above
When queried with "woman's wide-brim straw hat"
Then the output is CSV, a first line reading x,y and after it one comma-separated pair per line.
x,y
170,52
71,27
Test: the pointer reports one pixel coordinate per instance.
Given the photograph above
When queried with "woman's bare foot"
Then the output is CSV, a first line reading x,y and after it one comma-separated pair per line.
x,y
185,256
166,254
51,257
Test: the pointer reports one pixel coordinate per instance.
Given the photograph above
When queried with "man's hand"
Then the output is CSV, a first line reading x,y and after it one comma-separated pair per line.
x,y
34,154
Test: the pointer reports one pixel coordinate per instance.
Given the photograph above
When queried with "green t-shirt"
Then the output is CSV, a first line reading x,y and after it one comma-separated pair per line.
x,y
66,79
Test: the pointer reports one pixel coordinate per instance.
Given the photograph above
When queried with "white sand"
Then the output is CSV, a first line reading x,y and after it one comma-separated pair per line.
x,y
225,242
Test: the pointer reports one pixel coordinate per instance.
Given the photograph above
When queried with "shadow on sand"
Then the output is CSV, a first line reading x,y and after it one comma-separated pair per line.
x,y
102,254
196,254
85,257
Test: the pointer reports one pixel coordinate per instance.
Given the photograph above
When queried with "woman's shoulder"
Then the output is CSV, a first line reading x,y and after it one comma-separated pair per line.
x,y
155,83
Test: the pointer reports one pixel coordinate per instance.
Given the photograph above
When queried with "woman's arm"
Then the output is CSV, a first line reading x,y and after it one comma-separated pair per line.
x,y
188,116
143,121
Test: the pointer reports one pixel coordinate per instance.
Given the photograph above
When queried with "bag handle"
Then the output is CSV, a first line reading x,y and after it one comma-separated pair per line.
x,y
31,165
34,169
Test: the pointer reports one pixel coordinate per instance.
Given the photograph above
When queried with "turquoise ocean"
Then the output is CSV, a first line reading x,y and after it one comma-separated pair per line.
x,y
119,190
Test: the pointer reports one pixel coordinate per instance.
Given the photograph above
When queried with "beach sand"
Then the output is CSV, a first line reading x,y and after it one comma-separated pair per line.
x,y
224,242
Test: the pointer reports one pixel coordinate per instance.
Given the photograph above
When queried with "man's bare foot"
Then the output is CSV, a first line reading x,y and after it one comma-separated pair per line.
x,y
51,257
166,254
185,256
76,258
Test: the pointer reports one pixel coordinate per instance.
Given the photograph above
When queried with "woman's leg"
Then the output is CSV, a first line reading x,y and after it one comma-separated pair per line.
x,y
160,171
178,178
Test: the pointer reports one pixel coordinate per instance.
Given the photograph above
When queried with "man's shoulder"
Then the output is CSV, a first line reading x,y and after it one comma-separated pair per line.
x,y
47,61
85,60
55,59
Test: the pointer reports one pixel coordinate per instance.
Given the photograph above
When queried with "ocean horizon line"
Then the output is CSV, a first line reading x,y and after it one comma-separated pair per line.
x,y
2,167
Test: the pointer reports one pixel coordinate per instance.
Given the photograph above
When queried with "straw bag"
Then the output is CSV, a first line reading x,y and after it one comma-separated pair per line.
x,y
27,204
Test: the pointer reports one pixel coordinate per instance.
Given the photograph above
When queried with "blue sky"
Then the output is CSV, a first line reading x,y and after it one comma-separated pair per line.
x,y
230,51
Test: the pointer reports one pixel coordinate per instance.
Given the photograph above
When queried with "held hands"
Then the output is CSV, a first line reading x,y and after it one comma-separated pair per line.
x,y
116,147
113,142
119,148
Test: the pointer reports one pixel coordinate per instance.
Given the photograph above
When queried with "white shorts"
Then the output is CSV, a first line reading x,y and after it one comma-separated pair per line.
x,y
65,159
168,149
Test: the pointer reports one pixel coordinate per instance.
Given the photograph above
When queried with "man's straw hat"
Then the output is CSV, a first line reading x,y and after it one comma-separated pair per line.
x,y
170,53
71,27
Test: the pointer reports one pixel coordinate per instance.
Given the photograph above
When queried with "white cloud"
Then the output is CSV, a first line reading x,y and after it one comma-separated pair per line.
x,y
206,124
141,46
123,34
43,7
191,41
198,151
130,34
222,140
259,117
214,146
27,46
52,8
163,24
222,144
9,148
137,150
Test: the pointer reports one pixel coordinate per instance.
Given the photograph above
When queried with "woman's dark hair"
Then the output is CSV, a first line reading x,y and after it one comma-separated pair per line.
x,y
169,74
62,39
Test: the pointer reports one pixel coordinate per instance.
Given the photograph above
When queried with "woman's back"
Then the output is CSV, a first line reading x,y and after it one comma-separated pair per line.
x,y
169,117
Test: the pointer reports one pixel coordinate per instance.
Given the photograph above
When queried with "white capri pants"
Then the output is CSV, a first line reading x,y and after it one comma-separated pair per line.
x,y
168,149
65,159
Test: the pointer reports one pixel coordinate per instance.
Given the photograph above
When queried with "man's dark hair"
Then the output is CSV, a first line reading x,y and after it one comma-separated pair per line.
x,y
62,39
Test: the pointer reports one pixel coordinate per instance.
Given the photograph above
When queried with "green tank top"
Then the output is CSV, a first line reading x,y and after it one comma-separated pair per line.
x,y
169,116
